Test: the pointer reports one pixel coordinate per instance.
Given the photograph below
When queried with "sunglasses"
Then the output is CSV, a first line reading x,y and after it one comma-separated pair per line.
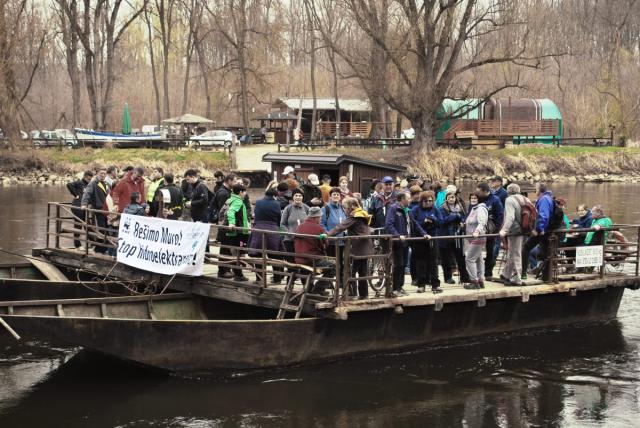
x,y
428,200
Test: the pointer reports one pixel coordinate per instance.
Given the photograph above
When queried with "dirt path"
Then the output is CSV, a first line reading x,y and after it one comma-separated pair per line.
x,y
250,157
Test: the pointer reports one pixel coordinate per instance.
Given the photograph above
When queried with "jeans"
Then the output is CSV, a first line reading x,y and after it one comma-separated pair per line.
x,y
400,254
426,263
492,254
361,267
451,255
543,242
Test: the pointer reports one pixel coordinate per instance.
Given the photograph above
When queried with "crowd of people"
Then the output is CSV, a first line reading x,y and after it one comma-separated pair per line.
x,y
431,224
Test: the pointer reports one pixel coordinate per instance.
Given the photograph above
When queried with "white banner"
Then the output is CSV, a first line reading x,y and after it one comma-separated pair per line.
x,y
590,256
162,246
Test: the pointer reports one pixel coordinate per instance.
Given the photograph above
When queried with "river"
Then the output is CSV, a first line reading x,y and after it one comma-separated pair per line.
x,y
585,375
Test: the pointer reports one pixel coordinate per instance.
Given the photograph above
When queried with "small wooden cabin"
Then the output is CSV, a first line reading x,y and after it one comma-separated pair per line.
x,y
355,115
360,172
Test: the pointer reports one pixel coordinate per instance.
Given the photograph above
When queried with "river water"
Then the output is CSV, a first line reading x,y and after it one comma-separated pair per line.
x,y
586,375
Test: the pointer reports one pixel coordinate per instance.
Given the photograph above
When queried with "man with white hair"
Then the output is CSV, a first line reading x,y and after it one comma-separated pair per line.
x,y
511,274
600,221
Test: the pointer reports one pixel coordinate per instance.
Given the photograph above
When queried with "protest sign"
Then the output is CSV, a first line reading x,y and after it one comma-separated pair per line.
x,y
162,246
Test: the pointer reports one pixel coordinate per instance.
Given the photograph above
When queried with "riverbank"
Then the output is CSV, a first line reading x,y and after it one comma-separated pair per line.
x,y
570,164
51,166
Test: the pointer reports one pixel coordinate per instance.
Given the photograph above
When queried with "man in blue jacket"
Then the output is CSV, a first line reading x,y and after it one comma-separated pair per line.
x,y
398,224
332,215
540,234
496,215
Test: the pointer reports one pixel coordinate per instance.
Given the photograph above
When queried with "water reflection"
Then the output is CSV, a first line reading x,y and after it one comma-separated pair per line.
x,y
541,378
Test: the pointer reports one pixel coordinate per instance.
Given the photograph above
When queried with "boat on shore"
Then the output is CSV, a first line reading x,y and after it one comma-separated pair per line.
x,y
90,137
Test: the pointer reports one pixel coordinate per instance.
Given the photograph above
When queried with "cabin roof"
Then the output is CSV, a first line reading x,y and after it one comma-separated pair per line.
x,y
327,159
277,115
346,104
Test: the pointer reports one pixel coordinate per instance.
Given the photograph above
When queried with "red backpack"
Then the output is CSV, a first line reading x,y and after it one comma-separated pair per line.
x,y
528,215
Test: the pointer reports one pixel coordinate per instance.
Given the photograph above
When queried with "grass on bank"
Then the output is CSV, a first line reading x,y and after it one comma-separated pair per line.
x,y
564,161
69,161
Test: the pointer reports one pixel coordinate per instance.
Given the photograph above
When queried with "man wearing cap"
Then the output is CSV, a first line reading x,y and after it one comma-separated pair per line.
x,y
325,188
307,245
312,192
381,202
495,183
290,177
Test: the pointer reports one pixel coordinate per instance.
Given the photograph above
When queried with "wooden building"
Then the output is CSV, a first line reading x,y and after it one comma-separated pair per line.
x,y
360,172
355,115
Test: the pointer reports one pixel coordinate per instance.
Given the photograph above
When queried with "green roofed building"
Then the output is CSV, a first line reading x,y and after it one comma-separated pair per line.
x,y
516,119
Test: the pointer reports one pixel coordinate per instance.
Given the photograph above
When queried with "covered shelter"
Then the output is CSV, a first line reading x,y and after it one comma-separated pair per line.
x,y
360,172
189,123
278,123
355,115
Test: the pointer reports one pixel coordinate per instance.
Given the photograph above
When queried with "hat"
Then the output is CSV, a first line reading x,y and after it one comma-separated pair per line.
x,y
288,170
387,179
313,179
451,189
315,212
496,178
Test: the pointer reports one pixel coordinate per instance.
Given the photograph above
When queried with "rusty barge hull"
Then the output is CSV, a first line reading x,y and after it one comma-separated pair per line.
x,y
204,344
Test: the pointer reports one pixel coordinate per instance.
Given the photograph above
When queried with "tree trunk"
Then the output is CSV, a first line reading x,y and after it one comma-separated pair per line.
x,y
70,41
334,69
187,74
203,72
244,98
154,76
9,116
424,142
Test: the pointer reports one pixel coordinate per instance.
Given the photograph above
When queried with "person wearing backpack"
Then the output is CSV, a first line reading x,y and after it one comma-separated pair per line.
x,y
496,214
515,206
550,217
235,213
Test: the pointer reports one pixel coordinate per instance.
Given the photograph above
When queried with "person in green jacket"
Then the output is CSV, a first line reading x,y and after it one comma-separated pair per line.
x,y
237,218
600,221
155,180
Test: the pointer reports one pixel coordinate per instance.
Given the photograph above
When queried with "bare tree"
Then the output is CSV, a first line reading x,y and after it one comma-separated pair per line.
x,y
99,29
71,46
14,39
435,45
152,59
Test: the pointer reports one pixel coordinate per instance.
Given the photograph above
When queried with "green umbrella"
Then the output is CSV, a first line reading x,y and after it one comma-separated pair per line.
x,y
126,120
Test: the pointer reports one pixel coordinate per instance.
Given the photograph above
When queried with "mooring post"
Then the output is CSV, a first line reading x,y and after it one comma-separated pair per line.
x,y
346,283
388,283
48,223
553,264
86,231
264,260
58,225
638,251
338,271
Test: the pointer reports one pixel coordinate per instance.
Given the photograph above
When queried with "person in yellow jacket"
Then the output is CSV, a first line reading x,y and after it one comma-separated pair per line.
x,y
156,179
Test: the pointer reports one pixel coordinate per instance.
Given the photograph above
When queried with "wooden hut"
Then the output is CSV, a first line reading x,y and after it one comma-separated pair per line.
x,y
355,115
360,172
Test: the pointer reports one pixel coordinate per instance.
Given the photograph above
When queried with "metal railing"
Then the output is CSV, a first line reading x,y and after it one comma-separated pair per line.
x,y
621,257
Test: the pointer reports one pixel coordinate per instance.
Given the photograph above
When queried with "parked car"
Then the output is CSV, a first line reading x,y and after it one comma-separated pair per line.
x,y
213,138
51,139
254,136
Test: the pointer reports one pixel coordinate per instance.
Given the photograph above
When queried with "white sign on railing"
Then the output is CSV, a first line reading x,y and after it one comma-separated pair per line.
x,y
162,246
590,256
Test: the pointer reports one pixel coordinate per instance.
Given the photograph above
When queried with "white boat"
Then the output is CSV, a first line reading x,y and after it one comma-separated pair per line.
x,y
112,137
